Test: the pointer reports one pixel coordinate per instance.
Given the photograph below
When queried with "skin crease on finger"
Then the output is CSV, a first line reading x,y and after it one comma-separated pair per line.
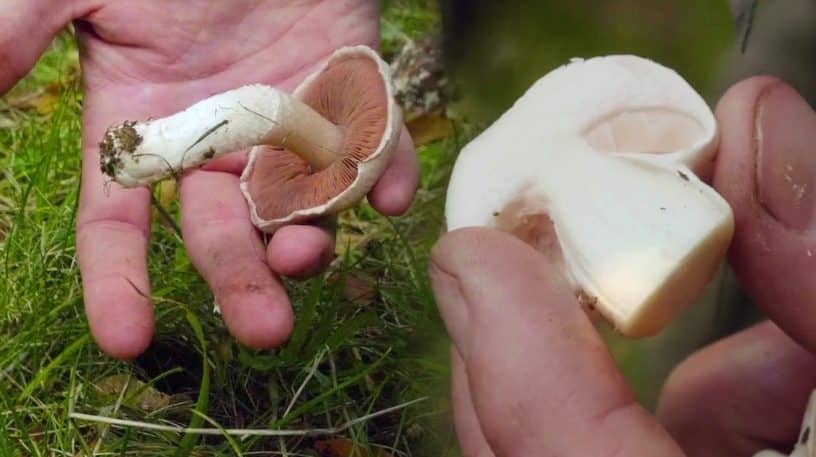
x,y
152,58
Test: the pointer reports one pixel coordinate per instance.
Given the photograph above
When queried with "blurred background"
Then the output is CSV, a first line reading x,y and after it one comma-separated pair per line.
x,y
497,49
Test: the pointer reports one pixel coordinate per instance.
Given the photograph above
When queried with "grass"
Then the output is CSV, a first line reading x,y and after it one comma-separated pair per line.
x,y
367,336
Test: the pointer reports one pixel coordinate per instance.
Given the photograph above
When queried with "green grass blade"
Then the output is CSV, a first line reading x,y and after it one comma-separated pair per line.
x,y
189,441
297,412
44,373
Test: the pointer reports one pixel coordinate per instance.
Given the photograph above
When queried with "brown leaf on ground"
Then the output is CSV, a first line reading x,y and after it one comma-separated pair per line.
x,y
166,193
44,100
429,128
360,289
347,240
138,395
352,233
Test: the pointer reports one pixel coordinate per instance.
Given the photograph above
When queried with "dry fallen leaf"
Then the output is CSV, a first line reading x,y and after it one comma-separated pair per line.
x,y
359,289
352,233
428,128
138,395
44,100
347,240
47,103
166,192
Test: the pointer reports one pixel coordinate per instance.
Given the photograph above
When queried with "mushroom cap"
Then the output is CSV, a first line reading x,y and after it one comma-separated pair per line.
x,y
598,101
604,156
352,90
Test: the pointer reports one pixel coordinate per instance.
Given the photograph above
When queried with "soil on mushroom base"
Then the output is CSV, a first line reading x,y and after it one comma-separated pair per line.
x,y
125,138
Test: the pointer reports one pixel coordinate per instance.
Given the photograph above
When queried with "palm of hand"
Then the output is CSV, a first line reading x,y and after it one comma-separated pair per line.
x,y
149,59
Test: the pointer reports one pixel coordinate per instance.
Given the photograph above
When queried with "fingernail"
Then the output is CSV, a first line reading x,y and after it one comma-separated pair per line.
x,y
786,162
452,305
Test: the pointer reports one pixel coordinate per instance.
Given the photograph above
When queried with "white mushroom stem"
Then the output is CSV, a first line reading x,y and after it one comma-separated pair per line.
x,y
140,153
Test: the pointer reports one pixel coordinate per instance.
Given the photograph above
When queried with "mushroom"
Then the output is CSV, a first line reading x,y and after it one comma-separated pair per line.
x,y
598,166
805,443
315,152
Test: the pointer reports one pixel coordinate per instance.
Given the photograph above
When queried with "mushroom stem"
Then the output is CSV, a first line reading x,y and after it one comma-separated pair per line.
x,y
140,153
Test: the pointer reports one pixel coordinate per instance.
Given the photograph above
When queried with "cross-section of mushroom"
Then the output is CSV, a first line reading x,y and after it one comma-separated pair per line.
x,y
315,152
598,166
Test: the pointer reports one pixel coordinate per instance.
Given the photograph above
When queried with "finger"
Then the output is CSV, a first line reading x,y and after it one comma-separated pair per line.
x,y
113,227
233,163
300,251
227,250
394,191
766,170
112,231
468,430
112,241
541,379
296,251
740,395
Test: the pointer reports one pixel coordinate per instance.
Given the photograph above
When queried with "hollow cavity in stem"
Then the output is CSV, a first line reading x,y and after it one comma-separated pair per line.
x,y
140,153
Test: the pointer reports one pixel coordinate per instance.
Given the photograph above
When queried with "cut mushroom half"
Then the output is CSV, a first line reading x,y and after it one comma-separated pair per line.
x,y
315,152
805,443
598,166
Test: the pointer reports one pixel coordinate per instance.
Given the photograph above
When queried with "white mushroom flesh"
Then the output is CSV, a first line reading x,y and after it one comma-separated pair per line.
x,y
606,149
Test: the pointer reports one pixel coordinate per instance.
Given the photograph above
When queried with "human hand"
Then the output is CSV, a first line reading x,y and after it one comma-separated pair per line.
x,y
531,376
153,58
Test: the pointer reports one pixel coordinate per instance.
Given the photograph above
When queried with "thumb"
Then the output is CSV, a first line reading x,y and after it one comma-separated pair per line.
x,y
540,378
767,172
